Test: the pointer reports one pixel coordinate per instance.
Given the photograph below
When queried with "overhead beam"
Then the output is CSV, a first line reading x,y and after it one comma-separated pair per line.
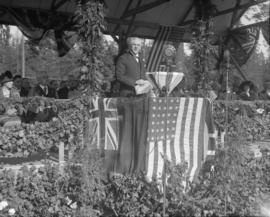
x,y
132,19
238,2
144,8
53,4
238,17
238,68
250,25
135,23
126,8
59,4
37,9
247,5
183,18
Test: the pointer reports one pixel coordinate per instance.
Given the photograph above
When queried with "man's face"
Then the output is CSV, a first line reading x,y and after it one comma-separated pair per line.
x,y
18,82
134,45
43,80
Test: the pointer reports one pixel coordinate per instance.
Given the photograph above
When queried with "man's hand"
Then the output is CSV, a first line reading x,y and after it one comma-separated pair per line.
x,y
140,82
143,86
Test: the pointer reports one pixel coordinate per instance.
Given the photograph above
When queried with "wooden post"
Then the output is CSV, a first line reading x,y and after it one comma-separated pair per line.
x,y
23,57
61,157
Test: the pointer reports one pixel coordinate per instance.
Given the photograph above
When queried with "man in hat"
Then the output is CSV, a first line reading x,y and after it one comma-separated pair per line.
x,y
248,91
8,89
130,71
265,94
41,89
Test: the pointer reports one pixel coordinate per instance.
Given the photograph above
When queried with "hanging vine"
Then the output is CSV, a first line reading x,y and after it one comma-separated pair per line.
x,y
90,25
201,43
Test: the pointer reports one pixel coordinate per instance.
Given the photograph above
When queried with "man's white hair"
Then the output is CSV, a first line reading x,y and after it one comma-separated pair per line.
x,y
131,39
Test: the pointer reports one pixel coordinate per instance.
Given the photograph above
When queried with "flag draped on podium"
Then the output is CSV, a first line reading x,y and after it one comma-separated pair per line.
x,y
142,131
104,123
176,130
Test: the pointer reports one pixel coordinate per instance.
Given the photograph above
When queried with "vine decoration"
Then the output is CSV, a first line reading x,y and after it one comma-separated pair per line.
x,y
90,25
202,35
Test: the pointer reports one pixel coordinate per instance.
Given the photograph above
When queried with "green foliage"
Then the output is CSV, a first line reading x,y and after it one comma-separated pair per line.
x,y
27,139
44,57
249,120
238,184
90,21
201,45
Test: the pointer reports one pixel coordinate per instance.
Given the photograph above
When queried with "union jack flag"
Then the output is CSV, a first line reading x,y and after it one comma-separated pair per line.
x,y
103,124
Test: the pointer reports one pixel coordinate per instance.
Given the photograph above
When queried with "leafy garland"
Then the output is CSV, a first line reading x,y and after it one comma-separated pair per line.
x,y
90,20
201,45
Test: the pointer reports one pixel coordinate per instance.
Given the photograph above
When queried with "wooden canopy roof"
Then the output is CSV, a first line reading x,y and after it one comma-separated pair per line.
x,y
139,17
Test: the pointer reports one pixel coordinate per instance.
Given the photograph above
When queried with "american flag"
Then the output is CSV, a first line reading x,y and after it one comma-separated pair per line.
x,y
165,79
157,48
103,124
181,127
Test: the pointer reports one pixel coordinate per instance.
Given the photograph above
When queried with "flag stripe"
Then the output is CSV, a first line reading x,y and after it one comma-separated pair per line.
x,y
150,160
173,151
191,137
160,163
178,130
182,135
155,165
156,51
158,57
196,140
201,143
187,131
168,150
155,48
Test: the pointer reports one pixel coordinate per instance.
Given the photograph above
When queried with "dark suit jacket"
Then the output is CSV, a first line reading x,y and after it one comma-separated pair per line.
x,y
128,71
38,91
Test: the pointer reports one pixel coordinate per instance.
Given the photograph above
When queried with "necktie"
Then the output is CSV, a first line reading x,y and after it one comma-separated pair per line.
x,y
137,58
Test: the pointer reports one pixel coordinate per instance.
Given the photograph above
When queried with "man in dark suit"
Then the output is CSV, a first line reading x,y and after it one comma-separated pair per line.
x,y
130,71
42,88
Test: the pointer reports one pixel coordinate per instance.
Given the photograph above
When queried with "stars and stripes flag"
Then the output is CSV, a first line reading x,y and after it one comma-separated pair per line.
x,y
178,128
168,80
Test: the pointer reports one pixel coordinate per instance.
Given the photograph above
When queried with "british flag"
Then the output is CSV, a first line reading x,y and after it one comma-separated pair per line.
x,y
103,124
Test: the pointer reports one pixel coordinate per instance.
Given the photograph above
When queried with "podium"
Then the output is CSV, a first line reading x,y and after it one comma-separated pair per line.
x,y
138,131
165,80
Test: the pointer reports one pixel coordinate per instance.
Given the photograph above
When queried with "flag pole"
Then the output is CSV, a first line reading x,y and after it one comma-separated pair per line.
x,y
165,148
165,156
227,60
23,57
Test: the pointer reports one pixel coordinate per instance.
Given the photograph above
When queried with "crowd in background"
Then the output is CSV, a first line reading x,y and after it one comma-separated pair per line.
x,y
16,86
245,90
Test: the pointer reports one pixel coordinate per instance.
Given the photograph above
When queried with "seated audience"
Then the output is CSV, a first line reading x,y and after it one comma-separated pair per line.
x,y
248,91
52,91
25,87
9,117
73,85
265,94
17,82
8,89
41,89
6,74
41,112
63,90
